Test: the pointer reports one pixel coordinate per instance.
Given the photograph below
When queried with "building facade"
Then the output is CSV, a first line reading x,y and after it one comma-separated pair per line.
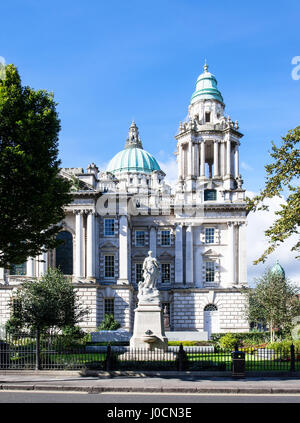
x,y
197,231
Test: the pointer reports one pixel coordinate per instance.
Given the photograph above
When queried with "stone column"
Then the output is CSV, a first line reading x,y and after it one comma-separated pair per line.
x,y
202,160
178,255
190,159
228,157
196,160
231,254
30,267
79,244
222,159
42,263
179,161
242,253
123,250
236,161
189,260
90,247
153,240
216,159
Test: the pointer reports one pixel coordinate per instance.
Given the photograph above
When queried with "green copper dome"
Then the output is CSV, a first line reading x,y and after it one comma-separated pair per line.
x,y
206,87
133,158
278,270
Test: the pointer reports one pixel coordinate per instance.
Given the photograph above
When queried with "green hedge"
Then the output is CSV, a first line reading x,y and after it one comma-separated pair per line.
x,y
244,337
190,343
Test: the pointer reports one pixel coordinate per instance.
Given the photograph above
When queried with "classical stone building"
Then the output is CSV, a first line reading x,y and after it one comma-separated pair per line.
x,y
197,232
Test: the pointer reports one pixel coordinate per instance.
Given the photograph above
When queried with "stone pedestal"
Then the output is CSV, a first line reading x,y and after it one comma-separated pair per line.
x,y
149,330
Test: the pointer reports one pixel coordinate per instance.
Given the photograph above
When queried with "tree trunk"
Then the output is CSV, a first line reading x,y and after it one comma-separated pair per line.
x,y
38,348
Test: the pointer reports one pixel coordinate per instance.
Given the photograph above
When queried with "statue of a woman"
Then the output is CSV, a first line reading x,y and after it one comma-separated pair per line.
x,y
147,288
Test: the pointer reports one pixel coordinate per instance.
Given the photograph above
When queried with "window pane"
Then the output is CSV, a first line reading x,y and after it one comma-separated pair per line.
x,y
210,271
64,253
109,306
165,238
138,272
209,235
109,271
210,195
165,273
18,269
109,227
139,238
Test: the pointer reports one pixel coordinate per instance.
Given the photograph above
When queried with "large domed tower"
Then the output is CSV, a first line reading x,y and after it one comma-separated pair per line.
x,y
208,143
135,168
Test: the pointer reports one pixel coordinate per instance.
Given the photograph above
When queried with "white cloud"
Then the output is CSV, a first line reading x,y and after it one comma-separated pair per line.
x,y
258,223
169,166
246,166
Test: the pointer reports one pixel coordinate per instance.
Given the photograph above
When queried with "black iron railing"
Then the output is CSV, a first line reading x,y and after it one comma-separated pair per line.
x,y
20,352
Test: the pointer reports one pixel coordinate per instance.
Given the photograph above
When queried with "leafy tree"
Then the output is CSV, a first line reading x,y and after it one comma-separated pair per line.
x,y
282,176
32,194
50,302
109,323
273,302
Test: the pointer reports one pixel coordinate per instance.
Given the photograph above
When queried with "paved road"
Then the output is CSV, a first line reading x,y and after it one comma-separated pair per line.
x,y
10,397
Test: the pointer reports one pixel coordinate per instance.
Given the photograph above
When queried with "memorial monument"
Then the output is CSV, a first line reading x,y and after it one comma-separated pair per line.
x,y
149,330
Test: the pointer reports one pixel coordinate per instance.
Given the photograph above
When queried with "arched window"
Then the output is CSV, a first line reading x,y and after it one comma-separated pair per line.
x,y
211,319
210,307
64,253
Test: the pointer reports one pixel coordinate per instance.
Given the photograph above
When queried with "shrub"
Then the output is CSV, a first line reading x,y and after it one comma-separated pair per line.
x,y
109,323
284,345
228,341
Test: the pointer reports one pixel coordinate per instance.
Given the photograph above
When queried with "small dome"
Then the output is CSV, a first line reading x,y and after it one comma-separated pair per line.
x,y
278,270
133,158
206,88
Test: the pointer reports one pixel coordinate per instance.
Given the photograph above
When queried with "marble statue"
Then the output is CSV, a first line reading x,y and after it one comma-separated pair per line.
x,y
147,289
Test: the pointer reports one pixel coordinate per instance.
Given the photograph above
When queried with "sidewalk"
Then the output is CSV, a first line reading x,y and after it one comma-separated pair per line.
x,y
166,382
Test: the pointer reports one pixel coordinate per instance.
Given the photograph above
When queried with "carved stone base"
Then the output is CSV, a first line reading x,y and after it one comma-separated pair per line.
x,y
149,330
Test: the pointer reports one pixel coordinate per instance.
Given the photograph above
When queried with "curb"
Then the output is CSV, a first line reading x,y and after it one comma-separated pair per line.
x,y
101,389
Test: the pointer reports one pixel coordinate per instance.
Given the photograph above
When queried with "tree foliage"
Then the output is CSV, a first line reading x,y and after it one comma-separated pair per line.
x,y
273,303
32,194
50,302
109,323
282,177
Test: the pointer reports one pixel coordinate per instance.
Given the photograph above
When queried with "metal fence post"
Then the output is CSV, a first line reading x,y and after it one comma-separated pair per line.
x,y
181,359
108,361
292,368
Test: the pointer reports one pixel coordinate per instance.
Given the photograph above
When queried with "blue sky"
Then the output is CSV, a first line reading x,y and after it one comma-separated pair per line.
x,y
110,62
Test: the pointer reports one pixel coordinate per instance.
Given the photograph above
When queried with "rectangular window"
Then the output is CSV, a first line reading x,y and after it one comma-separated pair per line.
x,y
138,272
109,227
209,235
109,306
210,271
109,266
165,272
207,116
18,269
165,238
139,238
210,195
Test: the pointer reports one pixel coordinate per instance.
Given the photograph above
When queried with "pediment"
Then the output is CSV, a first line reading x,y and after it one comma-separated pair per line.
x,y
165,254
211,253
107,244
